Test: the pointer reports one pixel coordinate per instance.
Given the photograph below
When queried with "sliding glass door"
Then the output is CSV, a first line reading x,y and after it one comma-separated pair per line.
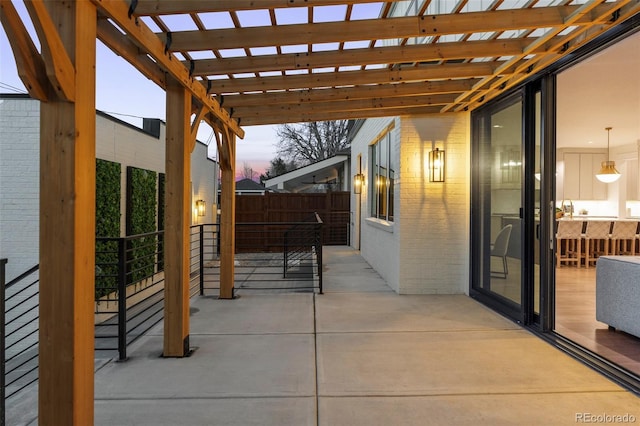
x,y
497,204
507,233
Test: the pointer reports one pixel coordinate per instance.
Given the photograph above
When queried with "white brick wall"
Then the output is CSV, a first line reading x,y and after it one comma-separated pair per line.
x,y
19,183
426,249
19,173
379,240
434,217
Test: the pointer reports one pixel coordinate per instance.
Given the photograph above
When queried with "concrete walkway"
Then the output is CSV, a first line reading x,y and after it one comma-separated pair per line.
x,y
357,355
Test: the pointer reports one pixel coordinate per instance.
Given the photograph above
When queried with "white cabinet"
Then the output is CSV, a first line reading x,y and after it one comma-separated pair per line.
x,y
580,181
631,172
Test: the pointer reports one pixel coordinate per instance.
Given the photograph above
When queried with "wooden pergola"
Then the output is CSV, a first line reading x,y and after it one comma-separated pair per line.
x,y
241,63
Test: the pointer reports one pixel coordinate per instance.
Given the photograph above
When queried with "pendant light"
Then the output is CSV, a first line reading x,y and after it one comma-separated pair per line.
x,y
608,172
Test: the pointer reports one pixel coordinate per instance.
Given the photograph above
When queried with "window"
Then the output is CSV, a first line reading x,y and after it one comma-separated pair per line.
x,y
382,177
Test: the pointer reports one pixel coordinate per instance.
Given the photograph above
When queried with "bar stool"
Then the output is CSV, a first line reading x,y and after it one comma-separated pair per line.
x,y
596,241
623,238
568,241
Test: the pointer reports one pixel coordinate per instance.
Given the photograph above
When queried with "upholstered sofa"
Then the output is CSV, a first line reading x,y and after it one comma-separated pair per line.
x,y
618,292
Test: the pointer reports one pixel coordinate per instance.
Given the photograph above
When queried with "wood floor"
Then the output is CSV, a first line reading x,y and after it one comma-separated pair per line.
x,y
576,312
576,319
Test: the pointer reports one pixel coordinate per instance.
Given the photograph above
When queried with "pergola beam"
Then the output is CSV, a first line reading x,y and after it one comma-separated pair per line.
x,y
30,65
171,7
341,115
150,43
357,92
367,56
352,78
346,105
374,29
521,68
122,46
59,68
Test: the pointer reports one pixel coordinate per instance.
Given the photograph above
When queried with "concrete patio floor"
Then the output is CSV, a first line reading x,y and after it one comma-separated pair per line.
x,y
357,355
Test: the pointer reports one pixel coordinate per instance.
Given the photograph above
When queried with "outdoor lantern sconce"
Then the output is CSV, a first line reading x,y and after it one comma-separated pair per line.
x,y
201,208
358,183
436,165
608,172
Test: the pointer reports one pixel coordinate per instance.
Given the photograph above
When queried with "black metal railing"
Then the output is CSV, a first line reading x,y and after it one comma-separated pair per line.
x,y
129,285
205,255
20,308
259,258
303,249
129,289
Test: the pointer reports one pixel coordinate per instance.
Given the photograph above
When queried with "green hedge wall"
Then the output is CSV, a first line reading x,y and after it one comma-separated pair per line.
x,y
141,219
161,209
108,192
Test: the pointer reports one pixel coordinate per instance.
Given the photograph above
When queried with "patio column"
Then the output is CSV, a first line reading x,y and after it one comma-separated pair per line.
x,y
177,221
227,214
67,33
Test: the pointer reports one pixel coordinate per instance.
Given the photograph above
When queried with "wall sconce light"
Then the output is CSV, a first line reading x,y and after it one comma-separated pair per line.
x,y
436,165
358,183
608,172
201,208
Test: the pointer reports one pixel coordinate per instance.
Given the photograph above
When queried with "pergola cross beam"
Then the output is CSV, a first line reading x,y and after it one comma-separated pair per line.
x,y
140,34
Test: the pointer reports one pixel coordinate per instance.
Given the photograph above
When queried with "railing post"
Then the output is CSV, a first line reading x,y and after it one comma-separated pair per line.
x,y
286,255
3,262
319,256
122,299
201,260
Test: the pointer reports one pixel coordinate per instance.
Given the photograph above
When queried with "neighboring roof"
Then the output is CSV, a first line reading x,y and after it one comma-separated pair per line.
x,y
247,184
150,126
318,172
277,61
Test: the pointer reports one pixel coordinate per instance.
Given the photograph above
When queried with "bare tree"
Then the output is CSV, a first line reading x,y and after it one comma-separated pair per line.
x,y
278,167
247,171
308,143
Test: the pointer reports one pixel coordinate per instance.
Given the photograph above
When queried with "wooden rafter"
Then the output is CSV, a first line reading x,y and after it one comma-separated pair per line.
x,y
402,27
140,34
169,7
341,115
121,45
60,69
378,55
349,78
346,105
491,86
479,54
30,64
358,92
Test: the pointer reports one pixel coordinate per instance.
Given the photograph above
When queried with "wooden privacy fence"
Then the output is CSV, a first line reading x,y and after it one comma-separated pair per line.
x,y
274,208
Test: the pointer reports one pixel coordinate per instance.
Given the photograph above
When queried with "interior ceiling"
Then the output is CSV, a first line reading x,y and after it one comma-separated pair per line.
x,y
285,61
587,105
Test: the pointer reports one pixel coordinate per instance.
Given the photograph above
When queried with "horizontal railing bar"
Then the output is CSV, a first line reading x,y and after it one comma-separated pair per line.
x,y
17,305
22,339
22,276
10,394
15,368
25,288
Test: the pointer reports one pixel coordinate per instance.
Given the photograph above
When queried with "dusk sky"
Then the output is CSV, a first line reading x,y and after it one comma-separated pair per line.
x,y
125,93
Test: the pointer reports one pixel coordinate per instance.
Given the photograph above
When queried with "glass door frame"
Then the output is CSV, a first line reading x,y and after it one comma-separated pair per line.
x,y
479,267
524,312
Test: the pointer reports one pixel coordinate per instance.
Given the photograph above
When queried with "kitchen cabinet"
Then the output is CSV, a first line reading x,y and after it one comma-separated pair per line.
x,y
580,181
631,171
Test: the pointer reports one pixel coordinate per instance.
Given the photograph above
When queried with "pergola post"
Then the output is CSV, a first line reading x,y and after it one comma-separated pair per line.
x,y
177,221
227,215
67,32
